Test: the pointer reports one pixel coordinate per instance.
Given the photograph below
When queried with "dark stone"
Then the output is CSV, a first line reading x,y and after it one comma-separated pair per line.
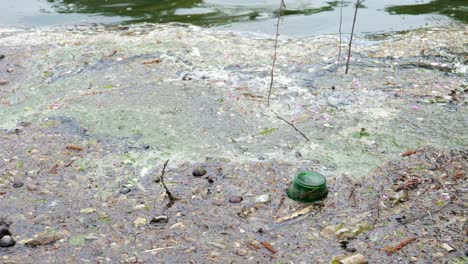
x,y
235,199
160,219
7,241
124,190
344,244
351,249
2,56
4,231
198,172
17,184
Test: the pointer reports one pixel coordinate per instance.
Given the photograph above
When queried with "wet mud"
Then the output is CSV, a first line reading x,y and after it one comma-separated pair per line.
x,y
90,115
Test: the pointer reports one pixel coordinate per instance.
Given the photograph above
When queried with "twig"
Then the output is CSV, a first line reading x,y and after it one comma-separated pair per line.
x,y
295,214
74,147
390,250
172,199
339,32
351,38
280,203
280,15
156,249
269,247
295,128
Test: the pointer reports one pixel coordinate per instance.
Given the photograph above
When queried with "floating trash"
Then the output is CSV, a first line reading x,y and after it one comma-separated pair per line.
x,y
308,187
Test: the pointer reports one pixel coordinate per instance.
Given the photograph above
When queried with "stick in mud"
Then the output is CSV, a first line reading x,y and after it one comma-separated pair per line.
x,y
172,199
351,38
295,128
392,249
339,32
280,15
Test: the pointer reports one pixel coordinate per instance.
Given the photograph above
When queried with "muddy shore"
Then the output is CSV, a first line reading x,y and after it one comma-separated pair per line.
x,y
90,115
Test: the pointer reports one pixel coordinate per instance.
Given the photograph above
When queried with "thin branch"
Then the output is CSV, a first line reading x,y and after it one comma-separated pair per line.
x,y
351,38
295,128
172,199
281,13
339,32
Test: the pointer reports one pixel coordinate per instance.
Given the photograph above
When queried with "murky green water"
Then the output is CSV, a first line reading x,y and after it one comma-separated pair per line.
x,y
303,18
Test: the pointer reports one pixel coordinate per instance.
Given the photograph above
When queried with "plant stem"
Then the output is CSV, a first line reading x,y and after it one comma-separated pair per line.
x,y
280,15
351,38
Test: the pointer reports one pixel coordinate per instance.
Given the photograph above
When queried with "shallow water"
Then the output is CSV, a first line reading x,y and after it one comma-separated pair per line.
x,y
303,18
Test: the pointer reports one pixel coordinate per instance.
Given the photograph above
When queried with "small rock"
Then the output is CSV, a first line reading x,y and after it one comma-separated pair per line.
x,y
3,81
7,241
140,221
263,198
355,259
447,247
17,184
235,199
198,172
351,249
160,219
32,187
124,190
2,56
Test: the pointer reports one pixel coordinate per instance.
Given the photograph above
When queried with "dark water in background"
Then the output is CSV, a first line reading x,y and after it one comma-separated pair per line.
x,y
303,18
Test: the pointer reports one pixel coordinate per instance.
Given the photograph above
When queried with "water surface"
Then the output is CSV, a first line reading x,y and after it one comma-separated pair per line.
x,y
303,18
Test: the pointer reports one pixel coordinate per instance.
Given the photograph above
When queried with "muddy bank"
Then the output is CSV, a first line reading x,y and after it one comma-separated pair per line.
x,y
89,115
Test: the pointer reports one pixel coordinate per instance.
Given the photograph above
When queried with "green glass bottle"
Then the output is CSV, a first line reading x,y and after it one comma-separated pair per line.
x,y
308,187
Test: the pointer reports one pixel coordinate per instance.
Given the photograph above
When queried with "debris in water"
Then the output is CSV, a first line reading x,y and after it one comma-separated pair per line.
x,y
152,61
269,247
447,247
294,215
392,249
74,147
355,259
409,152
160,219
263,198
45,238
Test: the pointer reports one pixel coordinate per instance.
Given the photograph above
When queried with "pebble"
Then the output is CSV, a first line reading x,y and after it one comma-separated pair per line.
x,y
263,198
32,187
235,199
198,172
3,81
7,241
2,56
124,190
160,219
355,259
17,184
